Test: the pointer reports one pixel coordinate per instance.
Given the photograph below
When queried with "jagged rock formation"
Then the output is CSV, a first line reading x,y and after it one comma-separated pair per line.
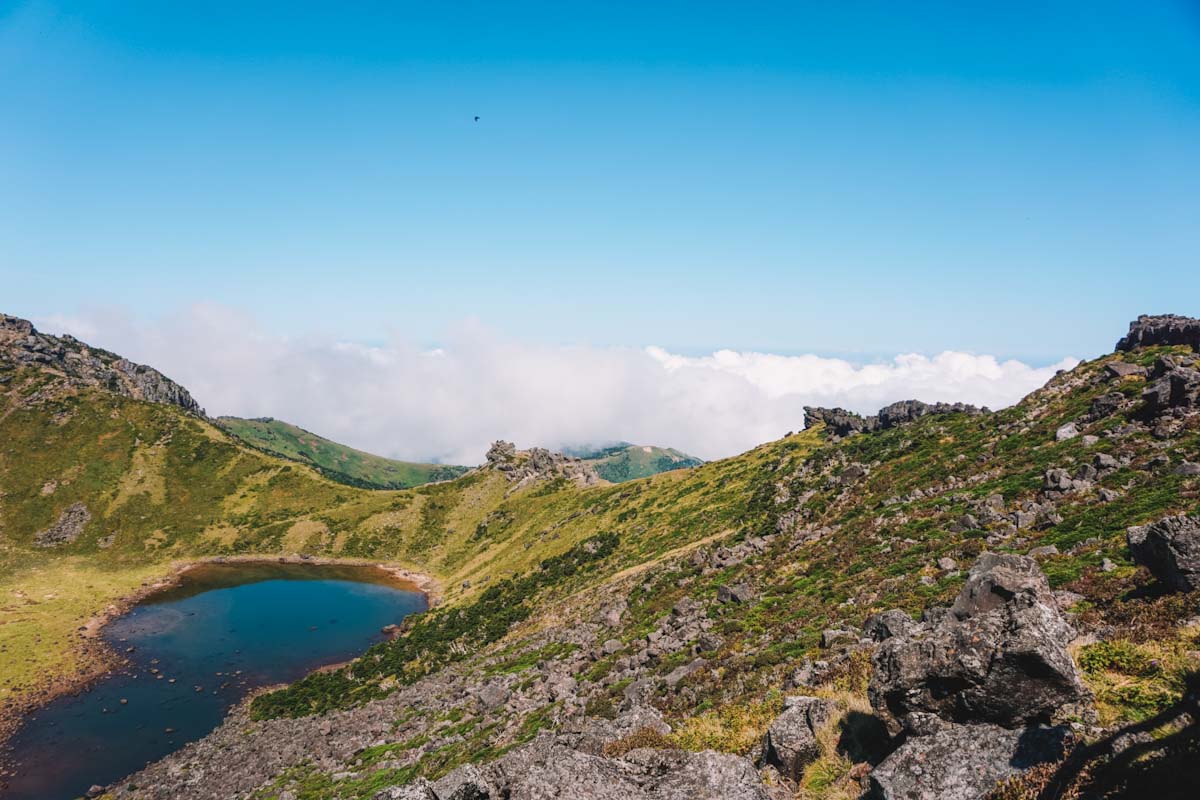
x,y
970,685
21,345
841,422
535,464
1170,549
999,656
1161,329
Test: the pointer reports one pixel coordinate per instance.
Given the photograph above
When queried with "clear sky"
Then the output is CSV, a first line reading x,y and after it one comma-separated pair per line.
x,y
1009,178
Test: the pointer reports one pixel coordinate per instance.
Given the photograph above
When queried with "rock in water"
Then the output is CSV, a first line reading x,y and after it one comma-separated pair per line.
x,y
964,762
1170,549
999,656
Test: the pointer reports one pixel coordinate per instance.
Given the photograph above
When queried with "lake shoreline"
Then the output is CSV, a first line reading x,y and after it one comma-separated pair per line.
x,y
98,659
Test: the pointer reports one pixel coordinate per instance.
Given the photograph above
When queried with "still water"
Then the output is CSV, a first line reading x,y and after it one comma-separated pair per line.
x,y
195,650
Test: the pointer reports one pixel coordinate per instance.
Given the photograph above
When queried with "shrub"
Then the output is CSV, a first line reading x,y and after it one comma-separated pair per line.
x,y
642,737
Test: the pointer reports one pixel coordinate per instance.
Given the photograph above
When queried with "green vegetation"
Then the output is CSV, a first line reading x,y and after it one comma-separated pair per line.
x,y
626,462
335,461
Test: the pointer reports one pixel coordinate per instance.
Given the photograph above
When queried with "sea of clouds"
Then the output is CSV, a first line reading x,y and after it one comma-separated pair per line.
x,y
449,403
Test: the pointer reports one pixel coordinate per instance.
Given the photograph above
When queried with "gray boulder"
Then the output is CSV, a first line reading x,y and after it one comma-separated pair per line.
x,y
1065,432
1170,549
790,743
887,624
999,656
735,593
1123,369
419,789
964,762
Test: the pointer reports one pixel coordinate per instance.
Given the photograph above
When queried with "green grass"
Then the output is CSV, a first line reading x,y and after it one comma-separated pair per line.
x,y
336,461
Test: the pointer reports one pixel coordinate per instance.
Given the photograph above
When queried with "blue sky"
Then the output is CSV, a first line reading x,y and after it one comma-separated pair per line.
x,y
839,178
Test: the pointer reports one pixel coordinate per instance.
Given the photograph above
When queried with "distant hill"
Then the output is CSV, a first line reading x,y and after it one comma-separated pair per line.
x,y
626,462
335,461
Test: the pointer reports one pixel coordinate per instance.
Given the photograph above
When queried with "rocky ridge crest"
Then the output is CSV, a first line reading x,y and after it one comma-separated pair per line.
x,y
841,422
79,365
522,467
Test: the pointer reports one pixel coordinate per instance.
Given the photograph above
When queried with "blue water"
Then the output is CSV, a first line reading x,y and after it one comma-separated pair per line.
x,y
197,650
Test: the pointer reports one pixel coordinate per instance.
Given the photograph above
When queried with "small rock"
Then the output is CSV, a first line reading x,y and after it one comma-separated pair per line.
x,y
736,593
1065,432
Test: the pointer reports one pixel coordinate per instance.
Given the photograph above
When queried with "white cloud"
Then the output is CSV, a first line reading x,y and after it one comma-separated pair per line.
x,y
450,403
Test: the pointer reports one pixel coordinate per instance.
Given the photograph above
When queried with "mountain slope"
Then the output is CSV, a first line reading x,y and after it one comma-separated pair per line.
x,y
336,461
700,595
626,462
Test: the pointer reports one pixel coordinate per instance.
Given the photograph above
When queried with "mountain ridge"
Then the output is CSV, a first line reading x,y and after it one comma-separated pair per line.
x,y
671,626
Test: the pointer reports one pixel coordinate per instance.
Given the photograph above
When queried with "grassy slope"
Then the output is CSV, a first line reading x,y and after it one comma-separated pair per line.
x,y
626,462
173,487
337,461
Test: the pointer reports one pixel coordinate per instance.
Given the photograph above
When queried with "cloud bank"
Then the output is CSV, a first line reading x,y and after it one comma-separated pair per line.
x,y
448,404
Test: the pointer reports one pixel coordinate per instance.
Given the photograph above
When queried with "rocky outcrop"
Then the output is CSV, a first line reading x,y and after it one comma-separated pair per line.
x,y
525,466
1161,329
1174,389
999,656
553,767
66,529
964,762
21,345
841,422
1170,549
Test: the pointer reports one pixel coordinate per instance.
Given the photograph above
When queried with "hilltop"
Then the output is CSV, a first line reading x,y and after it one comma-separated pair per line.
x,y
336,461
754,627
623,461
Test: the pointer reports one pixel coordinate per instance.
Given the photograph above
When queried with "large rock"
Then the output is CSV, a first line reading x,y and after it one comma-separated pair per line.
x,y
790,743
1161,329
998,656
1170,549
963,762
547,769
1174,389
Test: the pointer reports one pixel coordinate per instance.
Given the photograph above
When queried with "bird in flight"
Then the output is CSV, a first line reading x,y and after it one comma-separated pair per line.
x,y
477,118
